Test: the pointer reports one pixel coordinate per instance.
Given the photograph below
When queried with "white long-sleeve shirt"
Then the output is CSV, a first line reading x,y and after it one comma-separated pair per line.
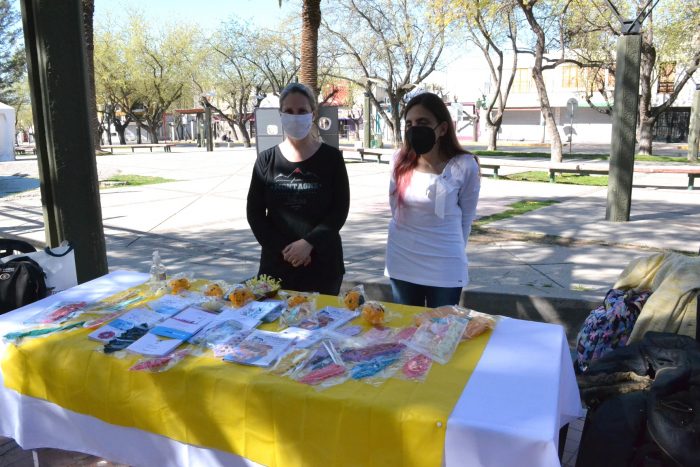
x,y
428,234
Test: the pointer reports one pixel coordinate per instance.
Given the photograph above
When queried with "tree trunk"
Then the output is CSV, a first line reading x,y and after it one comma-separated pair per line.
x,y
120,129
493,136
244,133
396,120
646,68
550,122
646,126
545,107
153,132
311,20
88,13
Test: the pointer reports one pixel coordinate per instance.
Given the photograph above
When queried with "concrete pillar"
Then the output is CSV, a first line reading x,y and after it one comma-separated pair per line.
x,y
207,128
367,120
694,129
625,110
58,81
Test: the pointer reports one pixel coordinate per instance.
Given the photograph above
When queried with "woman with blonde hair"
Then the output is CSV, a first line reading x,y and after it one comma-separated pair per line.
x,y
298,201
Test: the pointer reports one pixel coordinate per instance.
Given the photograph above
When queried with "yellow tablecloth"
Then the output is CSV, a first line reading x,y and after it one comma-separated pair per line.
x,y
270,420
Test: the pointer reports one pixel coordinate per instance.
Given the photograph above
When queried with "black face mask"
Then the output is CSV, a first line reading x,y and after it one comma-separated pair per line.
x,y
421,138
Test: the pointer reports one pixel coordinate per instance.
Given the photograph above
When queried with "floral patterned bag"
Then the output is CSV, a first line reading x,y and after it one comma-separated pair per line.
x,y
608,326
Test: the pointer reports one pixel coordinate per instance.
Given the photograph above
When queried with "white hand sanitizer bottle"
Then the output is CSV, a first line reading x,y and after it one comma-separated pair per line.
x,y
158,274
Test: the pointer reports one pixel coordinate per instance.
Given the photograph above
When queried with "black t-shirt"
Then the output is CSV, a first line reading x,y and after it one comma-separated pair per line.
x,y
288,201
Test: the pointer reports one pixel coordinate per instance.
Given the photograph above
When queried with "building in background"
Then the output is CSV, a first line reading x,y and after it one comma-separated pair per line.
x,y
467,81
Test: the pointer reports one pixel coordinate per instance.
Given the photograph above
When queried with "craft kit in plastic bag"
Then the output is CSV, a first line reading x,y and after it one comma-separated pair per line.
x,y
180,282
353,298
264,286
439,337
240,295
58,313
160,364
374,313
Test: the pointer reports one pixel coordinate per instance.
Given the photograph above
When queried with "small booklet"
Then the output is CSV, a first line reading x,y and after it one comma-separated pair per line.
x,y
302,338
260,348
328,318
153,345
184,324
223,327
169,304
125,322
256,311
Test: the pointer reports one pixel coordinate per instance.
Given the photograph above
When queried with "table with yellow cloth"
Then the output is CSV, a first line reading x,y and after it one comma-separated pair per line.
x,y
57,391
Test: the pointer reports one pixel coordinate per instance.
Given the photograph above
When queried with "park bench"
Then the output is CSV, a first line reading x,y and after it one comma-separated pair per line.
x,y
374,152
575,169
111,147
493,167
691,172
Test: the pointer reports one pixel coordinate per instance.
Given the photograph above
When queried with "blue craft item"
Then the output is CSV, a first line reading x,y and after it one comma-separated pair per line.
x,y
372,367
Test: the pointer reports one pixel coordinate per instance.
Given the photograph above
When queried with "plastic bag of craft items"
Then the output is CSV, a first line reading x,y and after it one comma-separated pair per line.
x,y
478,322
58,313
373,356
322,368
227,346
414,366
353,298
214,295
179,283
160,364
290,362
293,299
240,295
375,313
216,333
264,286
438,338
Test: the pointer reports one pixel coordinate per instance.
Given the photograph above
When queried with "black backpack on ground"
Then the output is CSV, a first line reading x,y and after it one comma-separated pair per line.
x,y
644,405
22,281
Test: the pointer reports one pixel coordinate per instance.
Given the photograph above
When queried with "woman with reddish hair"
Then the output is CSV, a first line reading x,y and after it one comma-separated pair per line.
x,y
433,194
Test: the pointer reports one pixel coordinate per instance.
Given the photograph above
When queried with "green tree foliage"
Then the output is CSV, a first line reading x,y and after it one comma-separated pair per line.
x,y
237,78
670,36
389,44
491,25
12,57
139,68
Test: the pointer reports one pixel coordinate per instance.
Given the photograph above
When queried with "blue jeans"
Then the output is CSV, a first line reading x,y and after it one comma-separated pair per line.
x,y
408,293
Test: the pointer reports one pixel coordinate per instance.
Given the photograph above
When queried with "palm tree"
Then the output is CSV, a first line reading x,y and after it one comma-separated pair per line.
x,y
310,22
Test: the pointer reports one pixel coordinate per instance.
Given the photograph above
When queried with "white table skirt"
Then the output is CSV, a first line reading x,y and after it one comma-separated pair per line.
x,y
522,391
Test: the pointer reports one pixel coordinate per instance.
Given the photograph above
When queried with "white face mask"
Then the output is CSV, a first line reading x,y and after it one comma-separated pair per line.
x,y
296,126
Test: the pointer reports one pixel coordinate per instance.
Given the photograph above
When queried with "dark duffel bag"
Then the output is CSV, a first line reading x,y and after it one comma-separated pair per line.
x,y
22,281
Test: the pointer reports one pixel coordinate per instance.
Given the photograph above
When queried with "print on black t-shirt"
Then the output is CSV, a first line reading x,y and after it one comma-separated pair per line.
x,y
299,185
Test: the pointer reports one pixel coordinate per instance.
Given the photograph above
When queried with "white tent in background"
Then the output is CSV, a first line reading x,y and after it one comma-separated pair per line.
x,y
7,133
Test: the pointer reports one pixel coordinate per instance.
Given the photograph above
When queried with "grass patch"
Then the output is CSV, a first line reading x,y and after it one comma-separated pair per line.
x,y
579,156
134,180
541,155
652,158
567,179
514,209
